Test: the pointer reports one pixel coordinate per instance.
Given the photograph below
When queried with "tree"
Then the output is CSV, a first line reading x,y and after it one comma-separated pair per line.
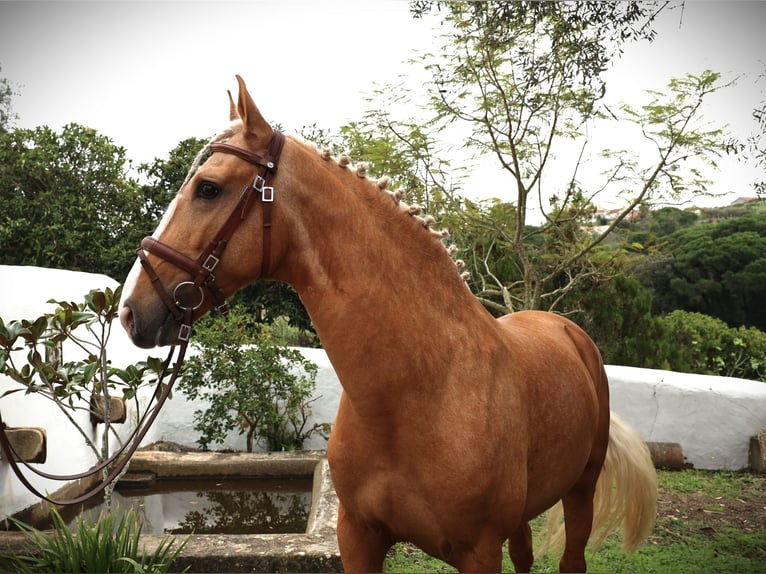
x,y
165,178
251,382
405,152
68,201
6,111
647,232
753,148
518,81
618,316
718,269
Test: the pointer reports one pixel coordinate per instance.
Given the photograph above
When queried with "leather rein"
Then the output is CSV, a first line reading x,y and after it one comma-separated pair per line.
x,y
186,297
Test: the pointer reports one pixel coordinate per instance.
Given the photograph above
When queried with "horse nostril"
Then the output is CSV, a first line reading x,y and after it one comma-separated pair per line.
x,y
126,319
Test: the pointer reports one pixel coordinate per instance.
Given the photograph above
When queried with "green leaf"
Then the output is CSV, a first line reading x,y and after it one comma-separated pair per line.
x,y
96,301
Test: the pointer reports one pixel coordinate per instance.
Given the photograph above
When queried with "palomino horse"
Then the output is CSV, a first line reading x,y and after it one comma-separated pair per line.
x,y
454,429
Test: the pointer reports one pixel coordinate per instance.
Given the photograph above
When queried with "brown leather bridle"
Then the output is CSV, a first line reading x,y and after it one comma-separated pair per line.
x,y
181,305
188,296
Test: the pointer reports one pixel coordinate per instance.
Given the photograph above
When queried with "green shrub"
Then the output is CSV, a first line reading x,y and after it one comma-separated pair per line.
x,y
702,344
103,546
251,383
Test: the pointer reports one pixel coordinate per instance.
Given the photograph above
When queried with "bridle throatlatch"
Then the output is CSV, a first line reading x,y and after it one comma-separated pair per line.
x,y
187,296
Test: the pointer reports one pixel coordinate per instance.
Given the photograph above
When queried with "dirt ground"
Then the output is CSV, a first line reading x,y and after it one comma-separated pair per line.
x,y
747,514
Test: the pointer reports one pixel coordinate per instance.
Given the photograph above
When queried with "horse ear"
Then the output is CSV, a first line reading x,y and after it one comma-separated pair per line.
x,y
252,120
233,113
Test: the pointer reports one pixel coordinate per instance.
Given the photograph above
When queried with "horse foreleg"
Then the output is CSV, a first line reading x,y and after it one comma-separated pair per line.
x,y
363,547
520,548
485,556
578,520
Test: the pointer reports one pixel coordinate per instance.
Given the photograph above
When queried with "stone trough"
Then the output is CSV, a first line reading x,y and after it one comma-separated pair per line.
x,y
315,550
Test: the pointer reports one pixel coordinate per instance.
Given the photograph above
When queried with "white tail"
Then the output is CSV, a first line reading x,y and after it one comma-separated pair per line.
x,y
626,494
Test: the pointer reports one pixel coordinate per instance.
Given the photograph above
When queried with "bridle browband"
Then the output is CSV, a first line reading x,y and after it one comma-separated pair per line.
x,y
181,306
188,296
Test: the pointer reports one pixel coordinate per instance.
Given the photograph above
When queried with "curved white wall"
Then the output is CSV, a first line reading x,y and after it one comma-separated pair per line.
x,y
712,418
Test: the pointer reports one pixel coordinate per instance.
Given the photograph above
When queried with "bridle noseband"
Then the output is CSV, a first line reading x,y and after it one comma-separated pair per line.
x,y
188,296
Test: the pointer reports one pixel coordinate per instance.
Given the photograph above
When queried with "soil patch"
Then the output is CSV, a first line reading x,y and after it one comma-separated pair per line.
x,y
710,514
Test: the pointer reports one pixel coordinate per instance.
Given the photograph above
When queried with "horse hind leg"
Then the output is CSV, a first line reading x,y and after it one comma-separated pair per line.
x,y
520,548
578,520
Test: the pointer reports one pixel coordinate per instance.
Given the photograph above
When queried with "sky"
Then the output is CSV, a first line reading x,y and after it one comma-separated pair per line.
x,y
150,74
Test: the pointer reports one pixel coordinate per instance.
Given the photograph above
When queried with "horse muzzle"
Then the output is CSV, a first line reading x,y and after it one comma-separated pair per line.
x,y
150,327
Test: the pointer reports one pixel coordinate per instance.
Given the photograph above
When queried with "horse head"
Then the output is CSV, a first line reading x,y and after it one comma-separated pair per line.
x,y
204,249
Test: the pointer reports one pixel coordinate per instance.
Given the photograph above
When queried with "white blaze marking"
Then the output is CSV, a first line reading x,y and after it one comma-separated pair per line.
x,y
132,279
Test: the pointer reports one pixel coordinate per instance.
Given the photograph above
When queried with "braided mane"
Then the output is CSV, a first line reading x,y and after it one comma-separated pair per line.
x,y
397,197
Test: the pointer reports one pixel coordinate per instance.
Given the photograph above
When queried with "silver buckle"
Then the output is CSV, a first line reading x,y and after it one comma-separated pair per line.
x,y
258,183
210,263
184,333
267,192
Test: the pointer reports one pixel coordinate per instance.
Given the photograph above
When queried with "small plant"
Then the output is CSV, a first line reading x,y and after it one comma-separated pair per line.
x,y
103,546
252,383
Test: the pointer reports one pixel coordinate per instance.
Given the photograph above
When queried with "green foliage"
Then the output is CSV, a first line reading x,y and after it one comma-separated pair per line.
x,y
271,301
405,151
656,225
671,121
68,202
165,177
718,269
702,344
252,383
103,546
617,315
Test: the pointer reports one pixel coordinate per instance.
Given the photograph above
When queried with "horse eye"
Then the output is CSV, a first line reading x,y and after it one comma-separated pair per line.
x,y
207,190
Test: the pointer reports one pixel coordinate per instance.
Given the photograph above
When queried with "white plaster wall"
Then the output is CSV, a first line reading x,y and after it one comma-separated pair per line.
x,y
711,417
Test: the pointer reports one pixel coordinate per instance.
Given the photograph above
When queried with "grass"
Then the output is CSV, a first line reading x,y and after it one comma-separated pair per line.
x,y
711,522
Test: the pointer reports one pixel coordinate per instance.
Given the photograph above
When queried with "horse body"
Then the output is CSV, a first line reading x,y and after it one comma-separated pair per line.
x,y
464,452
454,428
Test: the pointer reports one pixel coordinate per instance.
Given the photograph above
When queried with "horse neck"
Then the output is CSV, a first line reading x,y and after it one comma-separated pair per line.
x,y
383,293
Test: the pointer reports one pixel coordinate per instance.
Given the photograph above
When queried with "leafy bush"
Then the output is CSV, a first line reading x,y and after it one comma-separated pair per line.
x,y
103,546
251,382
617,315
702,344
